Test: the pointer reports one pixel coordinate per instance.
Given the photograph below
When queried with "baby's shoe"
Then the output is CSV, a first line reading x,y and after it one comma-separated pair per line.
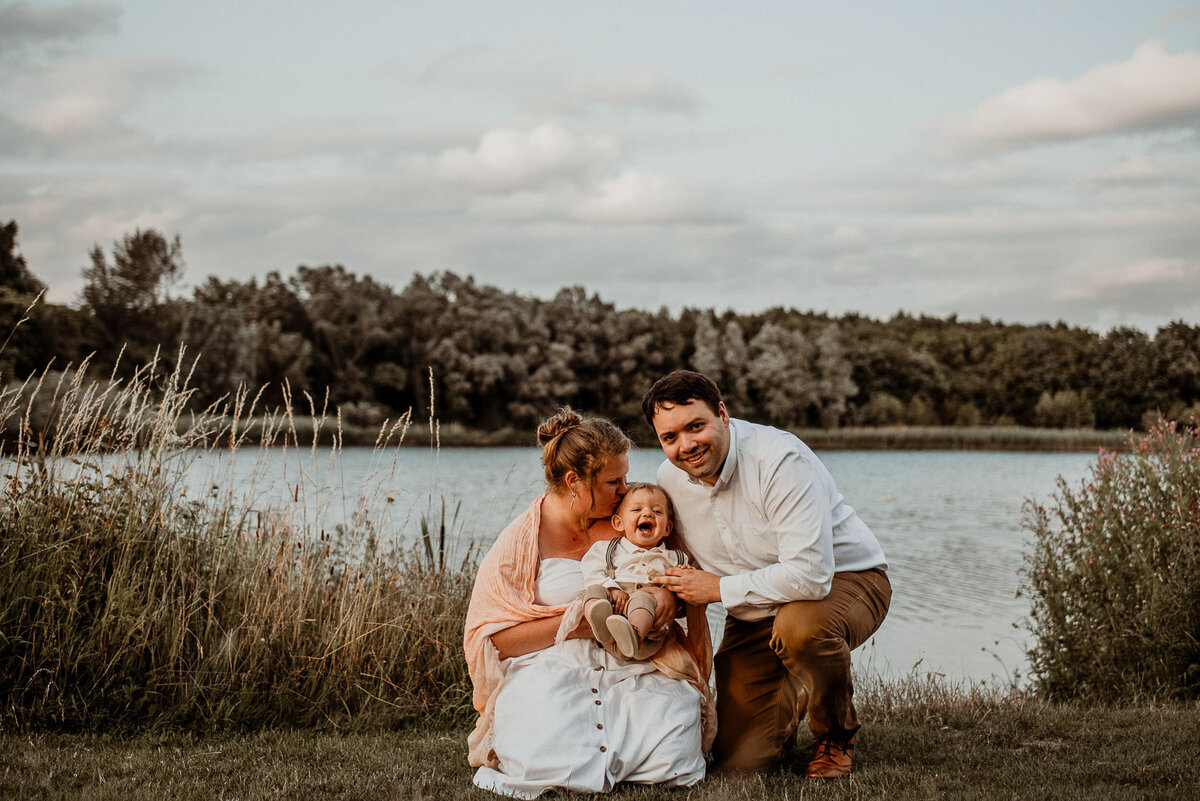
x,y
625,635
597,613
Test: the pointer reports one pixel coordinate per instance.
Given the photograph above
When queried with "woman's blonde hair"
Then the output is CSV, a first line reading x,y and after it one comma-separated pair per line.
x,y
571,443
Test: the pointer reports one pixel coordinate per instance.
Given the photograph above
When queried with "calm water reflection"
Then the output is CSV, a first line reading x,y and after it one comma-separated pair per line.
x,y
949,523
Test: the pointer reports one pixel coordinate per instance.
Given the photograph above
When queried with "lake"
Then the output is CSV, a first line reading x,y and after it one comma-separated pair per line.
x,y
949,523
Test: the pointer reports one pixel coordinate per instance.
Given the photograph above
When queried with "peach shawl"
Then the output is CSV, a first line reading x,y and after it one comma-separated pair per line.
x,y
504,596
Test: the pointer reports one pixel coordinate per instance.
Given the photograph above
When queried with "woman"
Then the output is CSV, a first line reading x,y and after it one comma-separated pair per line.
x,y
556,710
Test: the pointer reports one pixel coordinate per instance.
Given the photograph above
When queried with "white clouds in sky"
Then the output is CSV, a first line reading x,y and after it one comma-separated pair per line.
x,y
551,173
509,160
91,94
1153,89
665,159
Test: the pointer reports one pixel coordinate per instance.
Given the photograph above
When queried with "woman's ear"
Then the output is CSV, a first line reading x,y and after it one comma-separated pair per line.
x,y
573,481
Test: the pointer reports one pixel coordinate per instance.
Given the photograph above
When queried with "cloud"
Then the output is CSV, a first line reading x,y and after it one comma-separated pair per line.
x,y
1156,276
508,160
1154,89
623,86
1138,169
634,196
486,65
22,24
1176,16
533,76
88,96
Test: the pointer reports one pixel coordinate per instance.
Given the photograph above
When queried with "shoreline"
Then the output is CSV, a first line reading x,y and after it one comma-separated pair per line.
x,y
897,438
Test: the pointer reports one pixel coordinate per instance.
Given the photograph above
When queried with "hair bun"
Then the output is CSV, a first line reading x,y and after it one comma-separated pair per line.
x,y
554,427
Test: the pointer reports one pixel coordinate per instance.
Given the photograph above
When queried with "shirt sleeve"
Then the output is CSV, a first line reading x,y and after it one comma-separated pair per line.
x,y
800,521
593,563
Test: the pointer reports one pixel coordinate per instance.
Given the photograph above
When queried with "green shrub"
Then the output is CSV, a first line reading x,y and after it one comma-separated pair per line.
x,y
124,602
1114,574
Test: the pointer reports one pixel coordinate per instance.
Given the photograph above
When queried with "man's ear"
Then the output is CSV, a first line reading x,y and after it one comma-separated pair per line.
x,y
723,413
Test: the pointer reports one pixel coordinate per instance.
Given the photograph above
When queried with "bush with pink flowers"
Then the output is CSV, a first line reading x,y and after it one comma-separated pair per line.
x,y
1113,573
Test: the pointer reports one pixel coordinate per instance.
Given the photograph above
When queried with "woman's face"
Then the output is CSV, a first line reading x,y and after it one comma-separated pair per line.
x,y
608,486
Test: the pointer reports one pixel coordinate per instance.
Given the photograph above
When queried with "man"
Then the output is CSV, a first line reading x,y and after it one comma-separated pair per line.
x,y
801,577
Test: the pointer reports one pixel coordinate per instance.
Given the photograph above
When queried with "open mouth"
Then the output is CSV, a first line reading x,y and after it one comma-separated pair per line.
x,y
645,527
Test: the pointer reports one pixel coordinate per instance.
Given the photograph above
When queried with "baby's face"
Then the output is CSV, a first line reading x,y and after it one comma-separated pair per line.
x,y
644,519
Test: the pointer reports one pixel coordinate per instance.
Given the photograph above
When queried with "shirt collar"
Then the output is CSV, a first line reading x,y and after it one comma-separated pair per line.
x,y
634,547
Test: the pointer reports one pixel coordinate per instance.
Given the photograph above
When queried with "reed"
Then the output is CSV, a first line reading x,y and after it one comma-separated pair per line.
x,y
125,601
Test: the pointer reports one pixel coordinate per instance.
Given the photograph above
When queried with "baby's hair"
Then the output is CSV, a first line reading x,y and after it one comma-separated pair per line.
x,y
571,443
646,485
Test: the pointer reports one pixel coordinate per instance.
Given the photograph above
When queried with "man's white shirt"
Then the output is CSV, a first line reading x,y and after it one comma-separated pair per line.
x,y
774,526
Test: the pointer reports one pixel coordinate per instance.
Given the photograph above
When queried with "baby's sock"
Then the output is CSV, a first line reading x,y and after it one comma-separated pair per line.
x,y
642,620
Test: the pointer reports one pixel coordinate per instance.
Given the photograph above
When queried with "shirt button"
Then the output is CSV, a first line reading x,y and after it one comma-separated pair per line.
x,y
599,725
597,702
599,667
604,748
595,690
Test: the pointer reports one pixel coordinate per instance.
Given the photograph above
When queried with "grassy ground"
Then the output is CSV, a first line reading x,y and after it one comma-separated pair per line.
x,y
1027,750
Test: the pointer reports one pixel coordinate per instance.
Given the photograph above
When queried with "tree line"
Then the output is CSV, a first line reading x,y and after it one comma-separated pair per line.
x,y
501,360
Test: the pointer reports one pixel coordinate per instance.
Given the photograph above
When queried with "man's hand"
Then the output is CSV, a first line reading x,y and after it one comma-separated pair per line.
x,y
693,586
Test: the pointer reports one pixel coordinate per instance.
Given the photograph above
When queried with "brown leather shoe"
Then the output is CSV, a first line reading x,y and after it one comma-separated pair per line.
x,y
831,759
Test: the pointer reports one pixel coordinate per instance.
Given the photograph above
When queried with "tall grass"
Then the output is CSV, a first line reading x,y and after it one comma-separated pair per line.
x,y
1114,574
123,601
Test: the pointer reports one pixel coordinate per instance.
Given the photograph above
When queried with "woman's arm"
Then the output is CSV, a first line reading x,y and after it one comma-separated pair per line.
x,y
533,635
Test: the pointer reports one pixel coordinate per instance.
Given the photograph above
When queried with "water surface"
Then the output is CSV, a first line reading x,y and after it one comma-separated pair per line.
x,y
949,523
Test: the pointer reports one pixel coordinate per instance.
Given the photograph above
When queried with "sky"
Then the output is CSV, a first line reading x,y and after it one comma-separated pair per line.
x,y
1024,162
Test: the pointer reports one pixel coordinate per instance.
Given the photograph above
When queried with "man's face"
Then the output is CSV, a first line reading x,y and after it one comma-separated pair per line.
x,y
694,438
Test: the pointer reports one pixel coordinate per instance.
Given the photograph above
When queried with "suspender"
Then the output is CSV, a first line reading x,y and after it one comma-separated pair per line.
x,y
609,557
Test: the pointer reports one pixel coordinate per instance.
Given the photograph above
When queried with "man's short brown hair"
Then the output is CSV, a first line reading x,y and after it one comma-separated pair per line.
x,y
679,387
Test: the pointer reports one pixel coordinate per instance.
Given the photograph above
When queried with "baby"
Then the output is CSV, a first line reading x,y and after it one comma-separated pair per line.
x,y
615,571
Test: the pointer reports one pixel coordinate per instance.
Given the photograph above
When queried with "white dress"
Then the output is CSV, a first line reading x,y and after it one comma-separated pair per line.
x,y
574,717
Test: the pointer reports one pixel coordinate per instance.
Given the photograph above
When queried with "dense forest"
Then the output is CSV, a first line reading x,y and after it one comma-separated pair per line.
x,y
504,360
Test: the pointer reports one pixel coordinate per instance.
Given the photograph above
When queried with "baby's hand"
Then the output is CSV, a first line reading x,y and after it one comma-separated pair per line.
x,y
618,598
